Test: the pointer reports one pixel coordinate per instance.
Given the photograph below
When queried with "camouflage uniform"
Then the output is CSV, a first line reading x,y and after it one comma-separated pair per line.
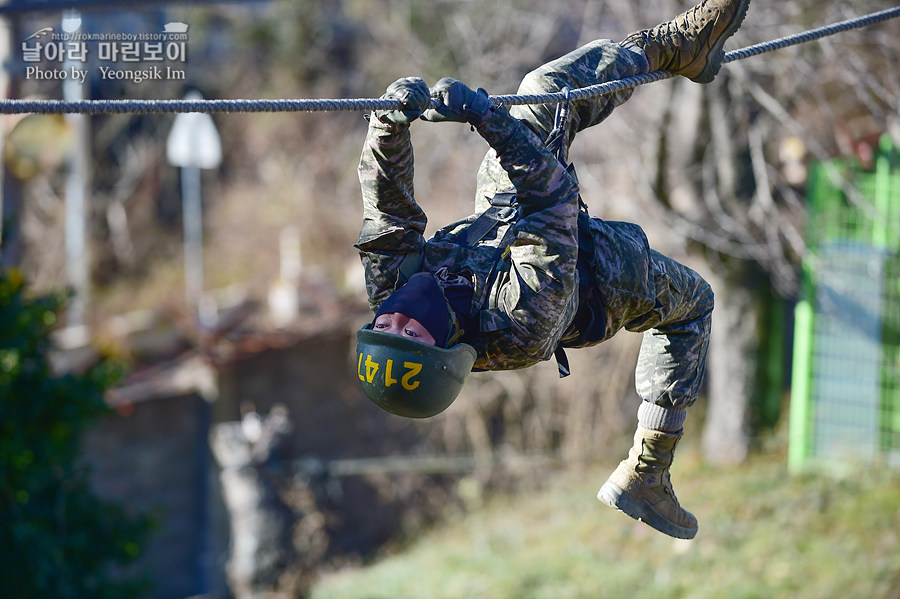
x,y
566,279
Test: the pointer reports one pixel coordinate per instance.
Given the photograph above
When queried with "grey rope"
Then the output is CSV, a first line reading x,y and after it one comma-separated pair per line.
x,y
616,85
200,105
137,106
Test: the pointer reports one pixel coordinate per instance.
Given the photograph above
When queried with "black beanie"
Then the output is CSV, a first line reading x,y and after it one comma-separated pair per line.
x,y
421,298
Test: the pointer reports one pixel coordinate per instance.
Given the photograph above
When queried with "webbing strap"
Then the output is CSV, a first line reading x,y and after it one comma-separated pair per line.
x,y
562,362
559,137
502,210
560,131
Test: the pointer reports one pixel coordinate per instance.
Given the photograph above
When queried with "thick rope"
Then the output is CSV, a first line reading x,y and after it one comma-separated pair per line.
x,y
740,54
136,106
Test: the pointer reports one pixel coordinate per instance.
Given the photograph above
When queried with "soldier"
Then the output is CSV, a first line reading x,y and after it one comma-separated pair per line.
x,y
533,273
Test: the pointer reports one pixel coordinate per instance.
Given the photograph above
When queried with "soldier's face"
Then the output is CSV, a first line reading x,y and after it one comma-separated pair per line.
x,y
397,323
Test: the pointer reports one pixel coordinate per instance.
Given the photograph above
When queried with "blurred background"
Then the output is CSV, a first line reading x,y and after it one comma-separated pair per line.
x,y
210,260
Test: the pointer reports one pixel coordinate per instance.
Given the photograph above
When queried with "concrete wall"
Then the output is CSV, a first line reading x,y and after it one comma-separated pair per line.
x,y
315,379
154,454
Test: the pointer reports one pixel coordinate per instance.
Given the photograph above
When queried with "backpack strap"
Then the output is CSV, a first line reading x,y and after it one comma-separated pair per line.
x,y
502,210
556,140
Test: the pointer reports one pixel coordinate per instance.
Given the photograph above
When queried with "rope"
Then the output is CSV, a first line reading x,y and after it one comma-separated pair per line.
x,y
136,106
617,85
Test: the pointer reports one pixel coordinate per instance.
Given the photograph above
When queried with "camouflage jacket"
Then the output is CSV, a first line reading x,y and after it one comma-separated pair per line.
x,y
524,297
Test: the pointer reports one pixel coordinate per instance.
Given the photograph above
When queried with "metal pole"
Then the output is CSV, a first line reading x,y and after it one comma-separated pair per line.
x,y
5,58
193,236
76,190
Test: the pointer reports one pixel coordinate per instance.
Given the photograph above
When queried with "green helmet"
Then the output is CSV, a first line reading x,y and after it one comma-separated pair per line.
x,y
407,377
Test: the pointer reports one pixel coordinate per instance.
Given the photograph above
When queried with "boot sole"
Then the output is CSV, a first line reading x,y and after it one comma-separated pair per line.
x,y
640,510
716,53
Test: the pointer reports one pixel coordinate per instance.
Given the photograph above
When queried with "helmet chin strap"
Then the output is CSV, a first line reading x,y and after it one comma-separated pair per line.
x,y
456,332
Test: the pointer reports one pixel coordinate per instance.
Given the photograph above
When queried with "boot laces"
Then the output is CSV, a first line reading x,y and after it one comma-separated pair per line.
x,y
682,28
666,482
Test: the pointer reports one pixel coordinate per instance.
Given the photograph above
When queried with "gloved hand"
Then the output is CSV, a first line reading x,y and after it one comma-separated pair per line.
x,y
458,103
414,97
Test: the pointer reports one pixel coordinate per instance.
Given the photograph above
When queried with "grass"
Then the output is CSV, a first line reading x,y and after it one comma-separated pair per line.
x,y
763,534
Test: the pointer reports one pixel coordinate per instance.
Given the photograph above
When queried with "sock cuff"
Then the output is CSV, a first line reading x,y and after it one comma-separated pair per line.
x,y
660,418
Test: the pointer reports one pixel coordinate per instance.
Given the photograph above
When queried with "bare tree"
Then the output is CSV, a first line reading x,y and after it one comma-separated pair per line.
x,y
715,173
727,176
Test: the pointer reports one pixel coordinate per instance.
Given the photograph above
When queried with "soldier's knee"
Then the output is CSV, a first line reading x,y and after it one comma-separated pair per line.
x,y
540,81
701,294
707,292
540,117
706,297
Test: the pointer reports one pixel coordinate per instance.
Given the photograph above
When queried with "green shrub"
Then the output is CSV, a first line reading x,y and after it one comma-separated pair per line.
x,y
57,538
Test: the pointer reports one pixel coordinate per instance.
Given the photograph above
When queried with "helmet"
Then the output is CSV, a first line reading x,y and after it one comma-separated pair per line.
x,y
407,377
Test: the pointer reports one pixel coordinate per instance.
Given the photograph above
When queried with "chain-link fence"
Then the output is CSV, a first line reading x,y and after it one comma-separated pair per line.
x,y
846,377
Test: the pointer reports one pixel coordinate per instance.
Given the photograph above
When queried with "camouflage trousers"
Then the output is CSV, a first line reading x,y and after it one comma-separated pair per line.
x,y
636,288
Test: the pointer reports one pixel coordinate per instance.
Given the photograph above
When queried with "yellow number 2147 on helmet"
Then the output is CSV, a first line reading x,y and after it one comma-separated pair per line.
x,y
407,377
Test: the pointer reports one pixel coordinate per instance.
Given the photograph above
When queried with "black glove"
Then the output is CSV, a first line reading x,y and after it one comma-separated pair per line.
x,y
414,97
458,103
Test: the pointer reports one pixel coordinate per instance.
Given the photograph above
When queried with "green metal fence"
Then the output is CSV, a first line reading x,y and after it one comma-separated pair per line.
x,y
845,390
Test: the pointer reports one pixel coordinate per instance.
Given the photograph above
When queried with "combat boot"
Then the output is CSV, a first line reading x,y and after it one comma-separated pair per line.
x,y
641,488
691,43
